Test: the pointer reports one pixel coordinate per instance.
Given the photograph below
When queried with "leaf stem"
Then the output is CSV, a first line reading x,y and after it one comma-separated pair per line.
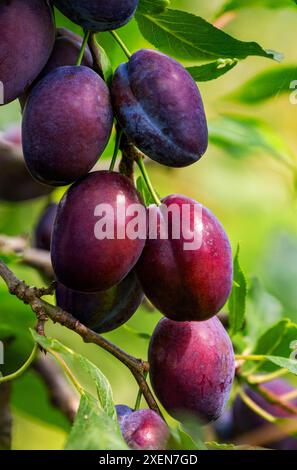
x,y
263,378
240,357
121,44
116,149
139,395
22,369
68,372
148,181
83,47
256,408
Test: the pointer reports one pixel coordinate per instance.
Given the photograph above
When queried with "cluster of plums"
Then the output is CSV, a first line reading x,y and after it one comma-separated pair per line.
x,y
68,116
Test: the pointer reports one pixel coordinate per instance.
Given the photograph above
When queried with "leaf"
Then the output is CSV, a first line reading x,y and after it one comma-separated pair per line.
x,y
284,363
237,301
213,70
105,64
185,35
134,332
266,85
93,429
232,5
275,342
243,135
153,6
102,385
144,191
180,440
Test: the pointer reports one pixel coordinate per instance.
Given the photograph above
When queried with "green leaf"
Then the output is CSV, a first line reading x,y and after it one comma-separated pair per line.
x,y
185,35
180,440
144,191
102,385
134,332
232,5
284,363
266,85
154,7
213,70
93,429
243,135
274,343
237,301
105,64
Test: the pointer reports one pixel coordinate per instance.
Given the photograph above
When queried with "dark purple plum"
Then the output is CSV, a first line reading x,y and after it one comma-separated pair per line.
x,y
105,310
122,412
246,420
98,15
16,183
80,259
187,284
145,430
27,35
192,368
67,123
44,228
160,109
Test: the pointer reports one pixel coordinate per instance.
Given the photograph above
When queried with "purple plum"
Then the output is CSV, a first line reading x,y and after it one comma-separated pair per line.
x,y
144,430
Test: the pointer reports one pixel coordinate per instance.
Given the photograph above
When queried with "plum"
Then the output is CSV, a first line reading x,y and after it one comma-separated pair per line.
x,y
103,311
122,412
192,368
81,260
67,123
160,109
16,183
187,284
98,15
27,35
246,420
44,228
144,430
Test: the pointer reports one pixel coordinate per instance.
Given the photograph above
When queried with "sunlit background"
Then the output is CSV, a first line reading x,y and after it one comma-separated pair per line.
x,y
252,193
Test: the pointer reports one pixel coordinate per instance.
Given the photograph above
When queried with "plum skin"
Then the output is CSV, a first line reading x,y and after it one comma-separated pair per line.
x,y
246,420
98,15
103,311
27,39
192,368
67,123
159,107
44,228
144,430
122,412
188,284
81,261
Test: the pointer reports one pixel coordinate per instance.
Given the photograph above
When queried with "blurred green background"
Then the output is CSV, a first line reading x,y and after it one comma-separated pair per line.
x,y
253,195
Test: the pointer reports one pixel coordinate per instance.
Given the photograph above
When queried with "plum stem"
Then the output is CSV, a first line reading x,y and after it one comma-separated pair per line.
x,y
83,47
263,378
121,44
148,181
139,395
29,295
256,408
116,149
23,368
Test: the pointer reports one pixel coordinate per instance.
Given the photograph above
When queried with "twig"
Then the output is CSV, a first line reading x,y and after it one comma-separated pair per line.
x,y
60,393
28,295
5,417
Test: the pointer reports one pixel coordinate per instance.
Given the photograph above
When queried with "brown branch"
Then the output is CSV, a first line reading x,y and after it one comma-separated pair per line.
x,y
28,295
5,417
60,393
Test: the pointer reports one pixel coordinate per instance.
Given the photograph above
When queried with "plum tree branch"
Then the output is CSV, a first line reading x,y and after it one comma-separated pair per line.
x,y
30,295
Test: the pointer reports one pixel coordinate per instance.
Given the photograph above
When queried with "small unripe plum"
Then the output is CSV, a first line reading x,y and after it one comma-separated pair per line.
x,y
192,368
122,412
246,420
67,123
145,430
44,228
16,183
27,35
160,109
98,15
83,261
103,311
193,283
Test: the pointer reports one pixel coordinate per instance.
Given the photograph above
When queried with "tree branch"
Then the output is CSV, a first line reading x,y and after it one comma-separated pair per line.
x,y
42,308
